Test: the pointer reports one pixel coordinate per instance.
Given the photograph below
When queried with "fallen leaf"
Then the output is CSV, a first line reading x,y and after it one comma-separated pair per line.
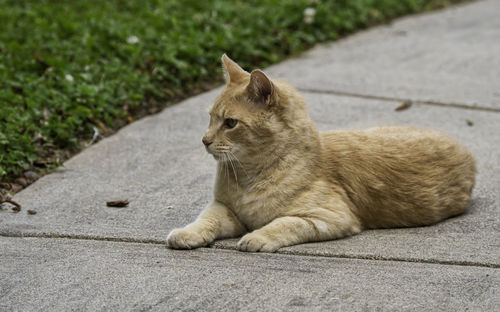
x,y
6,186
102,126
117,203
470,123
41,162
22,181
403,106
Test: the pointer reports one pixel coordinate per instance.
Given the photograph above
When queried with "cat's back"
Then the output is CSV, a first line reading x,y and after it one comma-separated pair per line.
x,y
400,176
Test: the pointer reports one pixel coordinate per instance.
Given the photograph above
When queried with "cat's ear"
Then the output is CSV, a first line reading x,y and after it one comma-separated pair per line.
x,y
232,71
260,89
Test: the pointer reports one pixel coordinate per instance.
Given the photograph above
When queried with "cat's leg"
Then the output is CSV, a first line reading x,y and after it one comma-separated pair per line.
x,y
215,222
316,225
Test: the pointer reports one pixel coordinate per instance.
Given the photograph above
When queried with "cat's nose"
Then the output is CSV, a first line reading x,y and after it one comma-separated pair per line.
x,y
206,141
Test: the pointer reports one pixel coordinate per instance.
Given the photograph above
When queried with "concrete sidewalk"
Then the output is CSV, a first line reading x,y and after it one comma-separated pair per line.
x,y
78,254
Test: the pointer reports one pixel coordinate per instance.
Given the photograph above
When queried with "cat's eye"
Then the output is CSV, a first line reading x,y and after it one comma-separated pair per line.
x,y
230,122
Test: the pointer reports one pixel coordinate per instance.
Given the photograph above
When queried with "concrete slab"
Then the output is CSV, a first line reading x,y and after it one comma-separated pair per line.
x,y
447,59
448,56
160,165
59,274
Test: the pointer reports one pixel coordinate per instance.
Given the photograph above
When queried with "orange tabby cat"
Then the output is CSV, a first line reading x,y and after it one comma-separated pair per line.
x,y
283,183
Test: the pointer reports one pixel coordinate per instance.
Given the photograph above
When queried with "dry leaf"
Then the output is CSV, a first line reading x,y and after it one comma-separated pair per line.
x,y
117,203
403,106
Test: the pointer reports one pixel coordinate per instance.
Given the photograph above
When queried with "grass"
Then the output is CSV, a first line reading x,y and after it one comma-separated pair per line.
x,y
67,67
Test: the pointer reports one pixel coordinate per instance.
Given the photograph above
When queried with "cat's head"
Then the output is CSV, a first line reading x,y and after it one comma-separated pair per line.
x,y
253,116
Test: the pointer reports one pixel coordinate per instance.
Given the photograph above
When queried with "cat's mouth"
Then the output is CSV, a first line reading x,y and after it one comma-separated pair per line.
x,y
217,153
218,156
220,153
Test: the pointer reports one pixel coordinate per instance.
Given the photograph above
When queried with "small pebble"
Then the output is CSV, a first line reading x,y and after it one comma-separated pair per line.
x,y
31,175
31,212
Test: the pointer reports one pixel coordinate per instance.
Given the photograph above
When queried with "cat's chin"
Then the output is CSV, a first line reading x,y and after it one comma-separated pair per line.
x,y
218,157
221,158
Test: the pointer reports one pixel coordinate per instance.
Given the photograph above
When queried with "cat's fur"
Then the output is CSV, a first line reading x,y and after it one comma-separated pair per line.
x,y
282,182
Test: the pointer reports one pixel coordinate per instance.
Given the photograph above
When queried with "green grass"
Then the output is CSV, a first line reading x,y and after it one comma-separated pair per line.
x,y
67,66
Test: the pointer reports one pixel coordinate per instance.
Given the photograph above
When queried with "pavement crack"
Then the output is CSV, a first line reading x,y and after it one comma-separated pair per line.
x,y
396,99
281,252
399,259
377,258
85,237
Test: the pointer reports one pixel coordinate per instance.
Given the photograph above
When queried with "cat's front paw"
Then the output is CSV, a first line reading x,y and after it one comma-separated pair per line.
x,y
257,242
184,239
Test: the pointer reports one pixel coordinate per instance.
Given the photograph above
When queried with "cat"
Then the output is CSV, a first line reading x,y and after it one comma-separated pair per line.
x,y
280,182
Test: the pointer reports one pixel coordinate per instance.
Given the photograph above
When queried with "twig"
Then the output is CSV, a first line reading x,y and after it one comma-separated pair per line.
x,y
10,201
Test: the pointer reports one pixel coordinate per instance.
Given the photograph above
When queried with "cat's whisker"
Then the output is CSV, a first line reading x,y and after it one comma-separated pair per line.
x,y
234,167
219,168
224,156
239,162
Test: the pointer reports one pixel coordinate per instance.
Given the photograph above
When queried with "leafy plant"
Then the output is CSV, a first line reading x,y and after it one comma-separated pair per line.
x,y
69,66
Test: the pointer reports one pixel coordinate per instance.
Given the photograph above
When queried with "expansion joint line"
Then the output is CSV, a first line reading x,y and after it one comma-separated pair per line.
x,y
281,252
396,99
